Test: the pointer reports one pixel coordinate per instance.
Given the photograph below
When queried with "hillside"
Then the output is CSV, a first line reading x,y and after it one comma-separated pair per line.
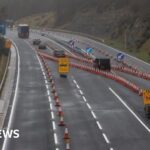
x,y
123,23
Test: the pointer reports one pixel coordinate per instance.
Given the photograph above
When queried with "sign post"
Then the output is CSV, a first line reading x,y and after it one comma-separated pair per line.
x,y
63,66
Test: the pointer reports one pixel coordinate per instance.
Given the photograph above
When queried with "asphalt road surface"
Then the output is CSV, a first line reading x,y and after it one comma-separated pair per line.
x,y
99,113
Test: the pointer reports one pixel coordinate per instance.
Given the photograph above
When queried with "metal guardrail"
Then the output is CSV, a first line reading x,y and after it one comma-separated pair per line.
x,y
5,74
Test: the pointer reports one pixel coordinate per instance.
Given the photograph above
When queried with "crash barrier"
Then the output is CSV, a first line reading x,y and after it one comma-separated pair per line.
x,y
5,73
57,102
109,75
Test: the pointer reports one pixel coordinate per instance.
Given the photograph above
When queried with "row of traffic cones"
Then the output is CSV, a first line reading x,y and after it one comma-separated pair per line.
x,y
118,79
57,104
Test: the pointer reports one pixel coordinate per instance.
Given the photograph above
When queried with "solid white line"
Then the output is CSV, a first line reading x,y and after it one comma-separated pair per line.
x,y
93,114
88,105
55,138
57,148
84,98
106,139
52,115
81,92
111,148
99,125
130,110
11,117
54,125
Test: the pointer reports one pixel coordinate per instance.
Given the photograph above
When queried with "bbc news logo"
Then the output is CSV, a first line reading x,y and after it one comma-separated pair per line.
x,y
9,134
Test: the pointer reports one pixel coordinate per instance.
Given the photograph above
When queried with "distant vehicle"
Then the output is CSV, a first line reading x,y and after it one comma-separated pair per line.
x,y
42,34
42,46
36,41
102,64
23,31
59,53
2,27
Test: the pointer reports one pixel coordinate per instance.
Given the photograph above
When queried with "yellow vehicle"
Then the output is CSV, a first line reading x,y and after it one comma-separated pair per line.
x,y
63,66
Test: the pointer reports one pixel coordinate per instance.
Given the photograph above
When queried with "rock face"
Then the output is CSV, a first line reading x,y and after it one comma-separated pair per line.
x,y
114,19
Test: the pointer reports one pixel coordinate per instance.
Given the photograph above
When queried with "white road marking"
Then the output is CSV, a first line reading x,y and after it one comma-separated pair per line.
x,y
84,98
51,106
93,114
88,105
47,87
111,148
99,125
129,109
77,86
106,139
49,98
75,81
81,92
11,117
55,138
54,125
46,82
52,115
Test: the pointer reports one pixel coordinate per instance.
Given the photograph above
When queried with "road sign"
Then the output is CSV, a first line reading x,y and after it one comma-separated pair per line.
x,y
63,65
120,56
146,96
89,50
72,43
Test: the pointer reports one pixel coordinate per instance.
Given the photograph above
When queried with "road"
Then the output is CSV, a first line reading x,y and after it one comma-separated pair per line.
x,y
99,113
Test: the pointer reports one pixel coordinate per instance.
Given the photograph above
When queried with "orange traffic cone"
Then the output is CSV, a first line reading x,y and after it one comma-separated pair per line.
x,y
53,89
60,112
55,96
66,135
61,123
57,103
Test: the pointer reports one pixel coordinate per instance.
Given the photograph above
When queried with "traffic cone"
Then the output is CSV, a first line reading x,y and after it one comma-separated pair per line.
x,y
60,112
55,96
53,89
57,103
50,79
61,123
68,146
66,135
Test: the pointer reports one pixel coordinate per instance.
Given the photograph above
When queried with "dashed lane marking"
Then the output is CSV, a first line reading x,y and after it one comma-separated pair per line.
x,y
99,125
106,139
129,109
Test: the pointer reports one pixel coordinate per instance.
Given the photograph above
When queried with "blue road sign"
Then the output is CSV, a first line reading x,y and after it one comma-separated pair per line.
x,y
89,50
120,56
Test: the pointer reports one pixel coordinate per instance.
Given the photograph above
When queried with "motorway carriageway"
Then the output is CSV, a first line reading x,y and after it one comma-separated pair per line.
x,y
99,113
